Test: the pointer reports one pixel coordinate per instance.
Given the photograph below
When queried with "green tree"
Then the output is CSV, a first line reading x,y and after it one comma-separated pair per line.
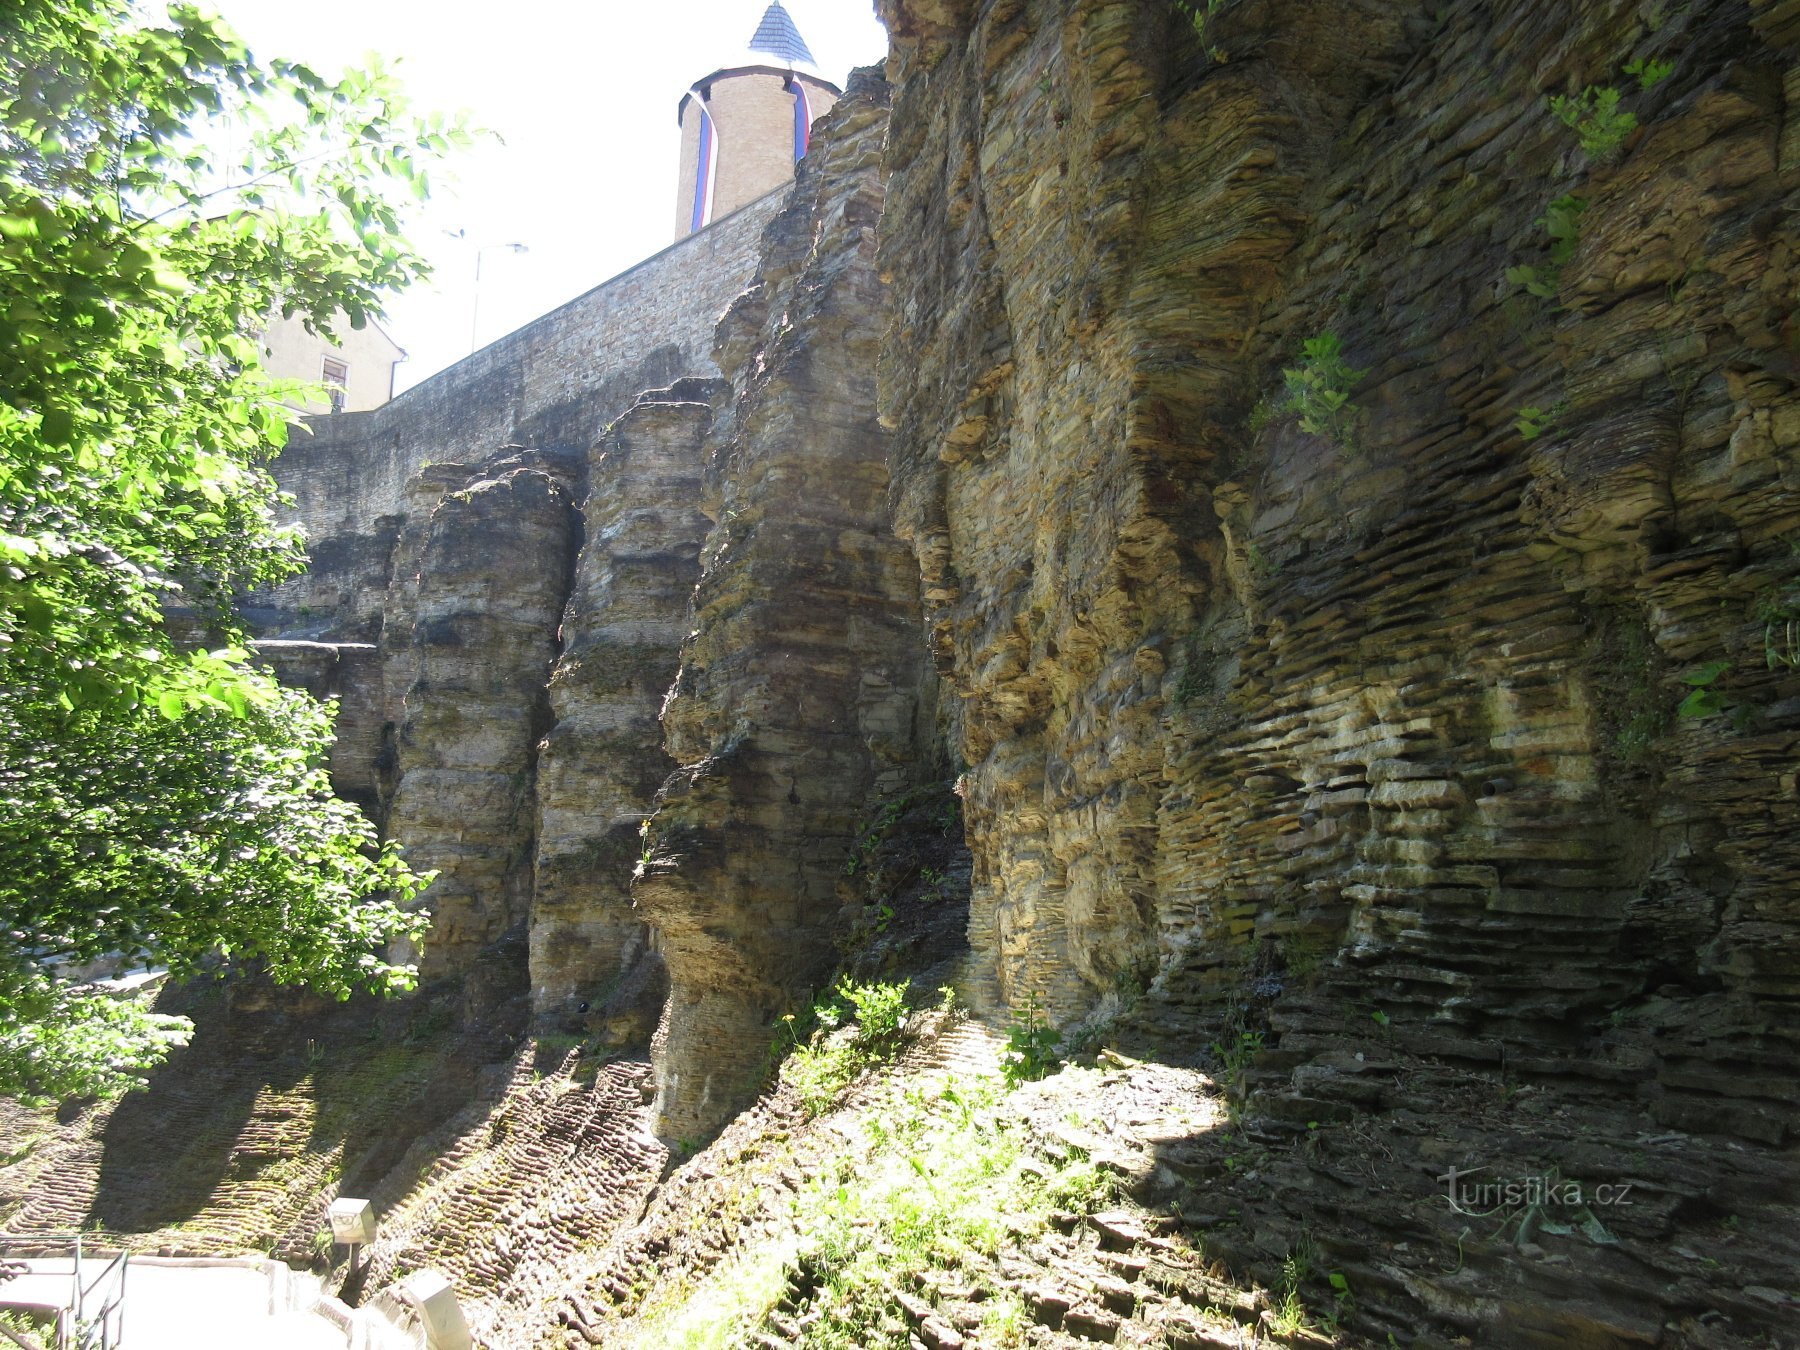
x,y
164,798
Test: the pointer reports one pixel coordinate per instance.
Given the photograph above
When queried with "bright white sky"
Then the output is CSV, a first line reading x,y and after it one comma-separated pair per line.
x,y
546,75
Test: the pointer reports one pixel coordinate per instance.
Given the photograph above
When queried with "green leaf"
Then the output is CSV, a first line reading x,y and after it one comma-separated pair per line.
x,y
57,427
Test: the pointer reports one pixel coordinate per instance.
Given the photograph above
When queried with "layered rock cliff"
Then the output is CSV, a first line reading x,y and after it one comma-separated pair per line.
x,y
800,703
1457,721
1320,479
622,632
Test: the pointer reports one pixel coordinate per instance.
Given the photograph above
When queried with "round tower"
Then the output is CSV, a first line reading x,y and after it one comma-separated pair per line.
x,y
745,126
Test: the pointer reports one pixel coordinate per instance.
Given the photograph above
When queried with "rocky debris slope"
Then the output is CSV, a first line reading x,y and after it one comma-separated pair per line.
x,y
1102,1270
500,1174
800,699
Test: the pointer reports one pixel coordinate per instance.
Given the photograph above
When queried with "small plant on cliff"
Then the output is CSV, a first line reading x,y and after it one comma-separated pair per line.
x,y
857,1026
1031,1045
1197,12
1534,422
1235,1051
1649,72
1778,610
1703,700
1319,389
1562,222
1597,120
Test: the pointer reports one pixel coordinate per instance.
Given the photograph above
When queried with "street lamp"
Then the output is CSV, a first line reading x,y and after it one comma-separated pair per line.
x,y
475,307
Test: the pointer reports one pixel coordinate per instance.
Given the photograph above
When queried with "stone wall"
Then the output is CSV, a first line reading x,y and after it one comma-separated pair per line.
x,y
554,385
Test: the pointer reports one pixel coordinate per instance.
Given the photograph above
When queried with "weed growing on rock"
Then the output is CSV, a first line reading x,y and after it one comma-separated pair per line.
x,y
1534,422
857,1027
1235,1053
1343,1301
1703,700
1197,12
1288,1317
940,1177
948,1183
1004,1321
1597,120
1649,73
1562,222
1319,388
1778,611
1031,1044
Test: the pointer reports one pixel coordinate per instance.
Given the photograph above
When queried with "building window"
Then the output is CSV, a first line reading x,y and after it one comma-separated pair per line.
x,y
336,375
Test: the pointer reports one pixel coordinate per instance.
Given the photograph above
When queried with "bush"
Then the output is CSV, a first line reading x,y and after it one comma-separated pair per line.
x,y
855,1027
1318,390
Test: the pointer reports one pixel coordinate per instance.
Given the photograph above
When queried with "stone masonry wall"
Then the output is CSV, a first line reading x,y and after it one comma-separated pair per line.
x,y
554,384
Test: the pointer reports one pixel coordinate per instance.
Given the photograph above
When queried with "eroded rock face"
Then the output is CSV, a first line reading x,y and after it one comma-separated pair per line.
x,y
1224,681
799,695
1314,725
622,632
492,581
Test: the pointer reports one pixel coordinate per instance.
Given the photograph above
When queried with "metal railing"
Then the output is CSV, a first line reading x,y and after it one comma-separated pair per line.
x,y
92,1317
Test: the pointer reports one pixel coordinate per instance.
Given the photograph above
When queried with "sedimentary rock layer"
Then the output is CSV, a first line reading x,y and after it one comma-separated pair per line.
x,y
1224,680
1469,701
622,632
483,639
799,694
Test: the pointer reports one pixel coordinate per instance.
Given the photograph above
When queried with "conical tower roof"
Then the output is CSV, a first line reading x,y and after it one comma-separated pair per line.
x,y
777,36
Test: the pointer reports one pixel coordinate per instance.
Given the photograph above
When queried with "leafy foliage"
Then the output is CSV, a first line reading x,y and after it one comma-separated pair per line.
x,y
1562,222
164,800
1596,118
1778,610
1649,72
1533,422
1702,699
1319,388
855,1028
1031,1045
936,1176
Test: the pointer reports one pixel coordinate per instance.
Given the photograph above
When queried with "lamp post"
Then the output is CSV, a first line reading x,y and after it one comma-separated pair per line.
x,y
475,306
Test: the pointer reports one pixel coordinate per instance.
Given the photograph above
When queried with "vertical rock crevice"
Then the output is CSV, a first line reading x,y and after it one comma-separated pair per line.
x,y
479,652
623,628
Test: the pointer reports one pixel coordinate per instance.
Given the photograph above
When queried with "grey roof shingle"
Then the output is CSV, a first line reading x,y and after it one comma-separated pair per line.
x,y
777,36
